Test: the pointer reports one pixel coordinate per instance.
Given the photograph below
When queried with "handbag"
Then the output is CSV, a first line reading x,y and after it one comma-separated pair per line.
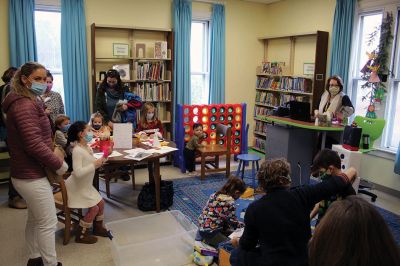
x,y
351,137
51,174
147,196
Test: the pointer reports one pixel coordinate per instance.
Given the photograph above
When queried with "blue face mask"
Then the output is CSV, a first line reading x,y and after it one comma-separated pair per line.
x,y
65,128
38,88
89,137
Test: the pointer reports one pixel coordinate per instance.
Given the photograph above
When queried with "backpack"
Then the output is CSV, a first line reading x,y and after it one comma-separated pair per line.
x,y
4,93
147,197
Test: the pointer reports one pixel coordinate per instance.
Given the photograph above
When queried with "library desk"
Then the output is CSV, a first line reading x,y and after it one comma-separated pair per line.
x,y
114,163
297,142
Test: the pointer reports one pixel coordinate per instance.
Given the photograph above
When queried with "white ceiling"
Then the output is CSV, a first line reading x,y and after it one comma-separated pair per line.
x,y
263,1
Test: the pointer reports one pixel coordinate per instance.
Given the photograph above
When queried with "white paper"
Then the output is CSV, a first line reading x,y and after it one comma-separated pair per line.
x,y
138,156
165,149
136,150
113,154
122,136
237,233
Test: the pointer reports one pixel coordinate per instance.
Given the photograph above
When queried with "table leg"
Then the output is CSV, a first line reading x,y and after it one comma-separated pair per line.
x,y
238,169
258,168
133,176
243,166
151,171
157,179
253,174
323,140
203,166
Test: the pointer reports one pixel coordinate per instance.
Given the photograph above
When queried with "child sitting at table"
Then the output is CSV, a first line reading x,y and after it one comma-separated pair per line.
x,y
149,123
329,164
218,218
80,190
62,124
98,128
191,146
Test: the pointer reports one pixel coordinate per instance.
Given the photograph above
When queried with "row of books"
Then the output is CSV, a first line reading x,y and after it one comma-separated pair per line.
x,y
149,70
266,98
262,111
153,91
261,127
259,143
285,83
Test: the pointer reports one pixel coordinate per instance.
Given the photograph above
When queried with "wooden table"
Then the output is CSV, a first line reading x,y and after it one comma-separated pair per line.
x,y
118,161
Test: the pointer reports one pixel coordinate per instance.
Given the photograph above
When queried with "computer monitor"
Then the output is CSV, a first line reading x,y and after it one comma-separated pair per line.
x,y
300,111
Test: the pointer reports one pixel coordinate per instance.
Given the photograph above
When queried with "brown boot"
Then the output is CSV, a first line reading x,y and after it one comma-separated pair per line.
x,y
35,262
98,227
82,235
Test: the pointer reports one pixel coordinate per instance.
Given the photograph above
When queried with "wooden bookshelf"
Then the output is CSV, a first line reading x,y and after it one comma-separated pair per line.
x,y
275,89
152,86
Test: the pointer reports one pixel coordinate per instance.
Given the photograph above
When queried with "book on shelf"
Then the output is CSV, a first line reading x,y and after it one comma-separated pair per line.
x,y
123,71
262,111
291,84
149,70
140,49
272,68
259,143
160,50
153,91
261,127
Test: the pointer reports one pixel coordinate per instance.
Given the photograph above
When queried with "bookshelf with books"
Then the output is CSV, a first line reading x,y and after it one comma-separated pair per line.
x,y
144,58
293,68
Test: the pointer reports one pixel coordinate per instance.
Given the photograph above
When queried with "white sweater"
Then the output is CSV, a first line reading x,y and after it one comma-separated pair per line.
x,y
80,190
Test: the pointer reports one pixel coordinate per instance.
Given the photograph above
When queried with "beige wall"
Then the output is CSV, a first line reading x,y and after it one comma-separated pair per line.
x,y
4,52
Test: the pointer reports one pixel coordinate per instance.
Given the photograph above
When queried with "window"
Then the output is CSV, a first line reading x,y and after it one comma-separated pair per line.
x,y
199,62
368,23
48,43
390,109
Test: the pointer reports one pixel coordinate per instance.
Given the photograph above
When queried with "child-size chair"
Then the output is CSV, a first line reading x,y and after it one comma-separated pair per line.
x,y
222,147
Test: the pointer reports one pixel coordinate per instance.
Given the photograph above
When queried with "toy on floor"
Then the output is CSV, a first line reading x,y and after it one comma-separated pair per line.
x,y
202,260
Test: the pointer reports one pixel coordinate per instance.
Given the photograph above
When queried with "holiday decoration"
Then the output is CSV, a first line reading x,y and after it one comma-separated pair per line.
x,y
375,70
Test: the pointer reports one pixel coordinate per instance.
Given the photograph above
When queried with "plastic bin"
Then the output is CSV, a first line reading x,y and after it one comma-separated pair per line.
x,y
165,239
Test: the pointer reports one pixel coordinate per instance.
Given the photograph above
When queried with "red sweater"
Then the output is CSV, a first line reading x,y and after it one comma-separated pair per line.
x,y
151,127
29,137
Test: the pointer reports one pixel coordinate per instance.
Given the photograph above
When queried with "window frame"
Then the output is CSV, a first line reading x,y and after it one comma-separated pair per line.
x,y
206,48
393,91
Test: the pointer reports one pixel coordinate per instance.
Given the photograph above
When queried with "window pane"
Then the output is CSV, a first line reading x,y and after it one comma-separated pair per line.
x,y
369,23
199,92
361,105
48,42
197,49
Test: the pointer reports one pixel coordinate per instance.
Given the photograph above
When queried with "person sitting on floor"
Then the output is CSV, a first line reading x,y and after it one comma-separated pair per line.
x,y
81,193
353,233
328,164
218,218
277,226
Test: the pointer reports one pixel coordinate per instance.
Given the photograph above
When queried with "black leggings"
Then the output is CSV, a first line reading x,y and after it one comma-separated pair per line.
x,y
190,156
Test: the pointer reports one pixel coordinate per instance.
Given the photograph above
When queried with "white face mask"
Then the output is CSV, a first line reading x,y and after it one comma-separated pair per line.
x,y
149,116
333,90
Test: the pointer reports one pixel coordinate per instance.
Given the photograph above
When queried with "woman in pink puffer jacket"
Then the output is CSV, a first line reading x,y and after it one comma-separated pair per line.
x,y
30,147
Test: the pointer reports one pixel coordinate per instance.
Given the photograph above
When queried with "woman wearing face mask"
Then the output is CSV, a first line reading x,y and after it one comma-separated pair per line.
x,y
149,123
52,100
110,92
334,101
30,146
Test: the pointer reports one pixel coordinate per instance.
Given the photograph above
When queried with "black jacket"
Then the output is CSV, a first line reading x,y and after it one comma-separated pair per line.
x,y
280,223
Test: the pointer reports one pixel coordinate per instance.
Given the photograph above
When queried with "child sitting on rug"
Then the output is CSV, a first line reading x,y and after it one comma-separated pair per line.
x,y
218,218
329,164
191,146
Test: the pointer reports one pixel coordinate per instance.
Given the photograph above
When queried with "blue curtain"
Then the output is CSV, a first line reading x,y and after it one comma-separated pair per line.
x,y
182,14
217,55
22,36
341,39
74,59
397,162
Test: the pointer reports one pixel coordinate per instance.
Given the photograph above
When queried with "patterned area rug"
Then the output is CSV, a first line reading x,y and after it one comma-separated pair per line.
x,y
191,194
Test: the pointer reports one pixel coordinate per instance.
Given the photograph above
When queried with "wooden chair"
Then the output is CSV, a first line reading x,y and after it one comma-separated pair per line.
x,y
111,171
69,217
222,147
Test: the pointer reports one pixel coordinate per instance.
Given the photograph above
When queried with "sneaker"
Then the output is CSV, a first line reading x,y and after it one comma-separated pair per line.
x,y
125,177
17,203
